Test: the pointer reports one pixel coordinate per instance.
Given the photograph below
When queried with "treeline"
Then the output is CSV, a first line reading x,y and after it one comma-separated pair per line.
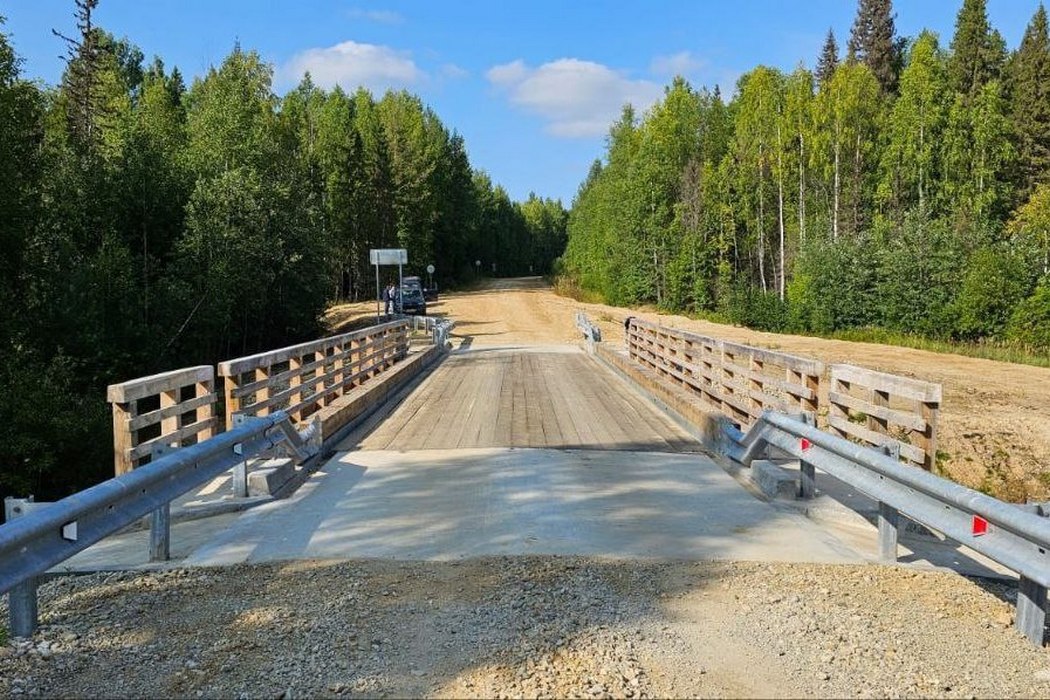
x,y
904,187
146,226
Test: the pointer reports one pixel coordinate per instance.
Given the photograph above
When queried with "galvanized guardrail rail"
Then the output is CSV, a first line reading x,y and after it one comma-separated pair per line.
x,y
591,333
49,534
1011,536
439,328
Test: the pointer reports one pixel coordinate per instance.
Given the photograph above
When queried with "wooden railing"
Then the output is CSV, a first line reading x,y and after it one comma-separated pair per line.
x,y
172,408
302,379
885,410
742,381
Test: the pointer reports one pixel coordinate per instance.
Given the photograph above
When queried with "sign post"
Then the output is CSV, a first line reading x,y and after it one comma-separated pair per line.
x,y
430,271
388,256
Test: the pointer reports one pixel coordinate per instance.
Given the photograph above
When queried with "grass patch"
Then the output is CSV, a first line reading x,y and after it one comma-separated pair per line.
x,y
987,351
568,287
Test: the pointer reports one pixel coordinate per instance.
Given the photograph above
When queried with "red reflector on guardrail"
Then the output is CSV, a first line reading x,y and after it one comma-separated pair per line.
x,y
980,526
805,444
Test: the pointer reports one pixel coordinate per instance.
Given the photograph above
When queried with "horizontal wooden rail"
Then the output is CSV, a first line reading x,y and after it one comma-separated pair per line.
x,y
302,379
742,381
185,413
885,410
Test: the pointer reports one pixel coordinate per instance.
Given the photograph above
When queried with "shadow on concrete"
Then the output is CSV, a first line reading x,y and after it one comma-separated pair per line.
x,y
451,504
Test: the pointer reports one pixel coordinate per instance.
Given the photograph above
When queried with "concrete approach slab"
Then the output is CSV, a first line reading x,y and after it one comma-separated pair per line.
x,y
451,504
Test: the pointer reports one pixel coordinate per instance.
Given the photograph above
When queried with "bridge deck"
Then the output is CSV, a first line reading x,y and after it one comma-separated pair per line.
x,y
524,398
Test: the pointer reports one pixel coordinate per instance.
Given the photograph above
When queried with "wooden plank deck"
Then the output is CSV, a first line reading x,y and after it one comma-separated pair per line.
x,y
524,398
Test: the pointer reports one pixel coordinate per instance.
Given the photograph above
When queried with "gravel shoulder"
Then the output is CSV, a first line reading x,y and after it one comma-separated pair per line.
x,y
525,627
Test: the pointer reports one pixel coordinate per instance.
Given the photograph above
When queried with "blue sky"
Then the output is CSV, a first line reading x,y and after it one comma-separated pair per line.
x,y
532,86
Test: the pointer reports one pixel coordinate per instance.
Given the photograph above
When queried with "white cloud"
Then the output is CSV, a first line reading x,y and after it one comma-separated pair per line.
x,y
682,63
453,72
577,98
351,65
508,73
380,16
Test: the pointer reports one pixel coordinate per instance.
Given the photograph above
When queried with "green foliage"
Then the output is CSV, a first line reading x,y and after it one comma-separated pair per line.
x,y
1029,324
873,41
910,162
829,59
993,283
977,52
147,227
833,286
846,202
1028,83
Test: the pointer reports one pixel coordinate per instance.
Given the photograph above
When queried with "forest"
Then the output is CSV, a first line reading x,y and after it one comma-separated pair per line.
x,y
146,225
901,188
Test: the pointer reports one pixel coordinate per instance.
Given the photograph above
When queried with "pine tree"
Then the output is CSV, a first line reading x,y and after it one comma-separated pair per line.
x,y
829,60
977,51
1028,77
872,41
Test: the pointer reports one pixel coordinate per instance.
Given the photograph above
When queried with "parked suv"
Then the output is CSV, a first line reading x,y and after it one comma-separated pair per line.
x,y
412,301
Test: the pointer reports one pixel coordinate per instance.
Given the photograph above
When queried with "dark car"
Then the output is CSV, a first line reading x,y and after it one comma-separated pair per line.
x,y
412,301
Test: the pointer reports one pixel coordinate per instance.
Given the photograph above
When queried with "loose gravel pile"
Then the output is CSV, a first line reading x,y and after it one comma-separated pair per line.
x,y
525,627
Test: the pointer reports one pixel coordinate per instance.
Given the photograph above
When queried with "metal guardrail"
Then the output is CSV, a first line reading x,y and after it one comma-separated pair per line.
x,y
439,328
1011,536
50,534
591,333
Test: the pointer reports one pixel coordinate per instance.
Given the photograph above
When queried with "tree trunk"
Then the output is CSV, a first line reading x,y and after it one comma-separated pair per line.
x,y
922,149
780,209
801,187
835,193
761,233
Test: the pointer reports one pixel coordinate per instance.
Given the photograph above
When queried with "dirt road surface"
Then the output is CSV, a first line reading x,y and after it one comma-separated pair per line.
x,y
544,626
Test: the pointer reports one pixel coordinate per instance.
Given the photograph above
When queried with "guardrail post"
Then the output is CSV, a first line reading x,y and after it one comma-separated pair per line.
x,y
160,519
1031,610
889,519
807,480
240,470
21,600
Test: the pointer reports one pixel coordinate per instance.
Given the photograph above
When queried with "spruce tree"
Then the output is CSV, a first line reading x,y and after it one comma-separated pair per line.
x,y
872,41
829,59
977,51
1028,79
81,79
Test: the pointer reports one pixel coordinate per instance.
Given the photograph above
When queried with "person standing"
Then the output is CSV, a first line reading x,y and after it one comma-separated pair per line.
x,y
388,297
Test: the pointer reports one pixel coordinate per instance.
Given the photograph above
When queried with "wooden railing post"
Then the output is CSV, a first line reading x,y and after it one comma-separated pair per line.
x,y
837,410
295,364
756,385
879,398
262,374
123,436
233,403
207,411
928,437
170,424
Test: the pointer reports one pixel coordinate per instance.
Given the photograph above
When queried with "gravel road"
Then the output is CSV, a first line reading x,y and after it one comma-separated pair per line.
x,y
525,627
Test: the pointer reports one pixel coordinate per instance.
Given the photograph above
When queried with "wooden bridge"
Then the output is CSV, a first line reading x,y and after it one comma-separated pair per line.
x,y
502,449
